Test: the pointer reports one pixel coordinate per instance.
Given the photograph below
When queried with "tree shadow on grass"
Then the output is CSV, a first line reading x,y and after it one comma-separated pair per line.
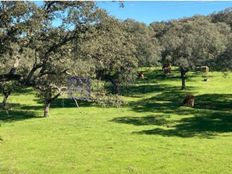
x,y
171,99
142,121
16,115
18,111
211,116
58,103
20,91
166,101
204,125
220,102
158,75
148,84
69,103
140,90
14,112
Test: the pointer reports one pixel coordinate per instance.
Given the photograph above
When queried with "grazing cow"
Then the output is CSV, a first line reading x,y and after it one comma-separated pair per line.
x,y
189,101
167,68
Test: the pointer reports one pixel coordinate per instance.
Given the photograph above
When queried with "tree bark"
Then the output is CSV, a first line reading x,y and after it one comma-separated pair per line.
x,y
6,93
48,102
31,73
183,72
46,109
183,82
4,102
9,77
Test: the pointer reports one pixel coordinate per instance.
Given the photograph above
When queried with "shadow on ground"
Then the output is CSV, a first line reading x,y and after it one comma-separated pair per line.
x,y
167,100
143,121
219,102
58,103
158,75
211,115
20,91
202,125
17,111
16,115
171,99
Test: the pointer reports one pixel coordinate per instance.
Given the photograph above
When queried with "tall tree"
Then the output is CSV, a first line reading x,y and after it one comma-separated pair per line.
x,y
193,42
42,46
110,47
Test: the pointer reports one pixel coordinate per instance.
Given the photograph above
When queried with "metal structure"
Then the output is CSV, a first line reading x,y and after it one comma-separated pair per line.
x,y
79,88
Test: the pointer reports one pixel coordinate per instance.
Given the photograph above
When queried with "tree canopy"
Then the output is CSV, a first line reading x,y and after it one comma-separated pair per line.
x,y
43,45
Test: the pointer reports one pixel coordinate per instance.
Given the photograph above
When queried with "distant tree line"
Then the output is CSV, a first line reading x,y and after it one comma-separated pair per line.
x,y
42,45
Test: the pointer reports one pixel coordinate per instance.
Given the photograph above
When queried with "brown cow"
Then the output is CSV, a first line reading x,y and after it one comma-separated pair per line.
x,y
189,101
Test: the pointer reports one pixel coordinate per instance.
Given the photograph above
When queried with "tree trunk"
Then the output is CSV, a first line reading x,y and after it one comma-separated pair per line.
x,y
46,109
183,85
9,77
31,73
116,88
183,78
48,102
6,93
4,102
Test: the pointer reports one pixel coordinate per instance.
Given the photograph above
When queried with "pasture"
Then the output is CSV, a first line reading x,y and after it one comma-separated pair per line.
x,y
153,133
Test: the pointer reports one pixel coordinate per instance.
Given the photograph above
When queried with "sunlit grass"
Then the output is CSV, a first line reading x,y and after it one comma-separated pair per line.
x,y
152,134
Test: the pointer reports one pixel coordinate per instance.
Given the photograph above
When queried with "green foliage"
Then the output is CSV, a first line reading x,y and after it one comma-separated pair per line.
x,y
111,50
101,96
224,60
37,53
108,100
88,42
223,16
194,42
147,46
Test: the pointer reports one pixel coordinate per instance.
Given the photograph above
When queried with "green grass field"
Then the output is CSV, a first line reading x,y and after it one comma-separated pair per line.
x,y
152,134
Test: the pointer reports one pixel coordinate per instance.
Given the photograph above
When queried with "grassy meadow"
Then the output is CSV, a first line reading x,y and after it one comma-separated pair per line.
x,y
153,133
